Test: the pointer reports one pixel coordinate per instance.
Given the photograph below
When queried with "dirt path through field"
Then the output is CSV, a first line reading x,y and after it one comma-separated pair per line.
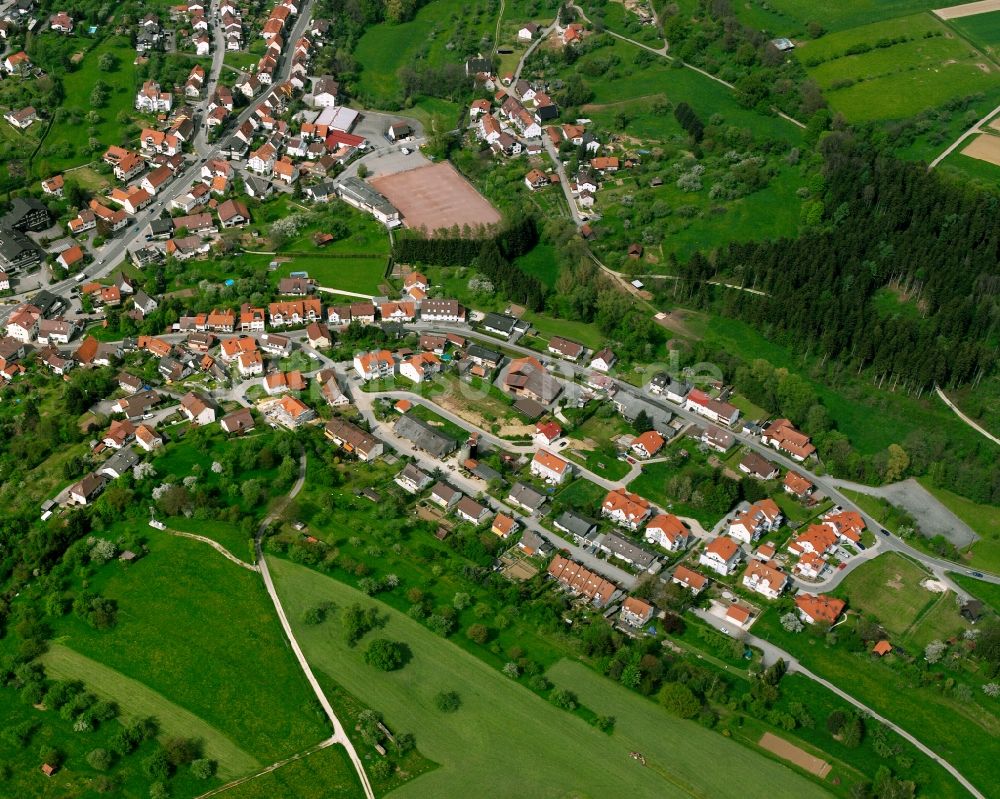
x,y
793,754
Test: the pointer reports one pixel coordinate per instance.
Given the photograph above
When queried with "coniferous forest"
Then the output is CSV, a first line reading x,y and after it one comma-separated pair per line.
x,y
888,225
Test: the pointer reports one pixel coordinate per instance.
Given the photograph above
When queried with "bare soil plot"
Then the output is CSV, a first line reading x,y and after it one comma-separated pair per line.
x,y
984,148
436,197
967,9
793,754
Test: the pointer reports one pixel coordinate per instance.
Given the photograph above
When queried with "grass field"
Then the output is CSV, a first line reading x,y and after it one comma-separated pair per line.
x,y
136,700
888,587
361,275
326,774
679,751
555,753
200,632
898,80
387,47
66,142
541,263
849,14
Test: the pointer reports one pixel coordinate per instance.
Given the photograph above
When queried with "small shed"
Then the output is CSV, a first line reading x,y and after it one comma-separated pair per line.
x,y
882,648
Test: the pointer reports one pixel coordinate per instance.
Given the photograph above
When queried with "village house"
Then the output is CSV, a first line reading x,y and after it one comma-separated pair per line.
x,y
689,579
634,555
445,495
603,361
504,526
766,579
818,539
626,509
471,511
551,468
758,467
818,608
667,531
782,435
648,444
196,409
762,517
797,485
721,555
413,479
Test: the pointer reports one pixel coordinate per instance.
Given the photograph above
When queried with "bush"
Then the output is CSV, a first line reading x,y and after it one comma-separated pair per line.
x,y
478,633
448,701
386,655
99,759
679,700
203,768
564,699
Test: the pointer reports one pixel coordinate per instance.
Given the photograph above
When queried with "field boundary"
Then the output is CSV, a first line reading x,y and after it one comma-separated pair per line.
x,y
967,9
139,700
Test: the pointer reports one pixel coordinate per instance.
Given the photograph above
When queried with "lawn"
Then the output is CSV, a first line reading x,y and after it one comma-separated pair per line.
x,y
325,774
201,632
888,587
359,275
554,751
651,484
225,533
681,752
582,495
137,700
541,263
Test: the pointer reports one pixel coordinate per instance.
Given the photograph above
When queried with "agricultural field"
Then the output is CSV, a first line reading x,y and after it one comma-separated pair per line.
x,y
677,750
983,30
840,16
896,69
527,729
184,604
324,774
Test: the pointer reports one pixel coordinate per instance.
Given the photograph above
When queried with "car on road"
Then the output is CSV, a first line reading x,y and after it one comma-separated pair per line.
x,y
404,150
976,574
884,531
724,630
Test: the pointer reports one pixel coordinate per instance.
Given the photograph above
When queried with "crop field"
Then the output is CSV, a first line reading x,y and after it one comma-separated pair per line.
x,y
867,74
983,30
984,147
680,751
200,632
848,14
889,588
544,742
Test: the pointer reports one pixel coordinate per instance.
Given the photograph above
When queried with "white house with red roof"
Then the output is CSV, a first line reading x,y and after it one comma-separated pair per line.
x,y
549,467
721,555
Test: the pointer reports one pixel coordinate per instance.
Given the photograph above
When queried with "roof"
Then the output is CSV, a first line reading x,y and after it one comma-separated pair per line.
x,y
757,465
503,524
637,607
550,430
576,523
883,647
651,441
424,436
624,548
625,503
670,525
690,578
549,461
724,547
820,607
526,496
469,507
796,483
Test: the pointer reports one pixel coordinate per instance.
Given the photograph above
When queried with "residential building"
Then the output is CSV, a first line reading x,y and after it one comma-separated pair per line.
x,y
353,439
425,437
626,509
721,555
471,511
634,555
196,409
549,467
766,579
758,467
815,608
445,495
504,526
782,435
603,361
762,517
797,485
648,444
582,528
413,479
667,531
636,612
582,581
526,497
